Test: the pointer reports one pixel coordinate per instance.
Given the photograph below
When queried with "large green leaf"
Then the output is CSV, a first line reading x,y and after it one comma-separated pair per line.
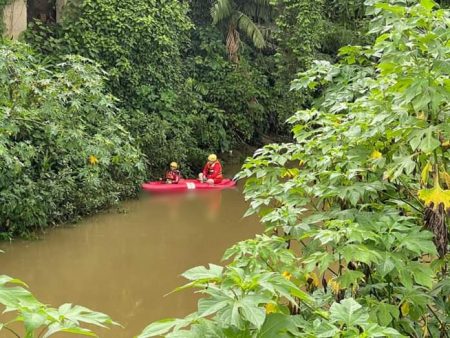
x,y
429,142
277,325
158,328
349,278
422,274
254,314
34,320
348,312
201,272
386,264
208,306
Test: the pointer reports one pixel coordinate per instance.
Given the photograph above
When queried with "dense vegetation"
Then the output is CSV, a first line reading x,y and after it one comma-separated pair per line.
x,y
362,193
171,85
180,96
93,105
63,152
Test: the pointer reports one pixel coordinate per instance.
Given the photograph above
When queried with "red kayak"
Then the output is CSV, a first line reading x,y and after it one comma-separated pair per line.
x,y
187,185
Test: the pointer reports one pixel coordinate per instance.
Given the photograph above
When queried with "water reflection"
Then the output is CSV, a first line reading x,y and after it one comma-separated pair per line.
x,y
124,263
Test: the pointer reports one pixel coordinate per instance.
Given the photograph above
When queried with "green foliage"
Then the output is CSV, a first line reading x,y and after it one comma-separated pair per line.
x,y
232,99
37,318
63,152
141,53
345,11
142,56
307,30
300,30
175,109
299,33
237,16
361,193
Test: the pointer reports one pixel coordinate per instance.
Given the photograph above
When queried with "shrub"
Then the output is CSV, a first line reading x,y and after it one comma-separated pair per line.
x,y
137,42
63,152
240,92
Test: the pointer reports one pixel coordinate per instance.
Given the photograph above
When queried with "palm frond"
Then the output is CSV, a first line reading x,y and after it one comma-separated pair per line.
x,y
220,10
261,3
260,14
247,26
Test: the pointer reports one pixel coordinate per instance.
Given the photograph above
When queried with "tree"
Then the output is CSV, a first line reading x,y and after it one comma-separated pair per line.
x,y
241,16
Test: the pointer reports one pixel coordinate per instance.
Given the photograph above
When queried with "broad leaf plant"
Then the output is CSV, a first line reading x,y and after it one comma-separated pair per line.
x,y
30,318
356,208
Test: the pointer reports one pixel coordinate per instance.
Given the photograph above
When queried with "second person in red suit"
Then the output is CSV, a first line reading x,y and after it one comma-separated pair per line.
x,y
212,172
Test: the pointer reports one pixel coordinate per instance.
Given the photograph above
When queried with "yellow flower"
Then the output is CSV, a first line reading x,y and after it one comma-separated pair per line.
x,y
334,285
313,279
271,308
287,275
290,173
93,160
435,196
376,155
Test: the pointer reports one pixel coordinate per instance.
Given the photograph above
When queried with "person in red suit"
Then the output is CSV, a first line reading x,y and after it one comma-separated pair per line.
x,y
212,172
173,175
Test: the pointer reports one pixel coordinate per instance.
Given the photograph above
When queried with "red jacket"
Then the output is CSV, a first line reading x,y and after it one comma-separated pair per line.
x,y
213,171
173,175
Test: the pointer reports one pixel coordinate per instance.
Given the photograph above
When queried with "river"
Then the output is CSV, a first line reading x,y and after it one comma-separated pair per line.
x,y
124,261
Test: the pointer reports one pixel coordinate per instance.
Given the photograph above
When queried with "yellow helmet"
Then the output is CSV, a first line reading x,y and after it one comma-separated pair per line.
x,y
212,158
174,165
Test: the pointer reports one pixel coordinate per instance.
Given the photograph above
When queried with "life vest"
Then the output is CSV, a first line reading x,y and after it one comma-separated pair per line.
x,y
210,170
173,175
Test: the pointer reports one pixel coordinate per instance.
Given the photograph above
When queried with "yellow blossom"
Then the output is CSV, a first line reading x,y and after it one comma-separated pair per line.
x,y
93,160
376,155
287,275
290,173
435,196
334,285
271,308
313,279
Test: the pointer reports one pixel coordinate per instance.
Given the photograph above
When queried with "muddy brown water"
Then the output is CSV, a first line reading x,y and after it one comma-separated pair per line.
x,y
123,263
